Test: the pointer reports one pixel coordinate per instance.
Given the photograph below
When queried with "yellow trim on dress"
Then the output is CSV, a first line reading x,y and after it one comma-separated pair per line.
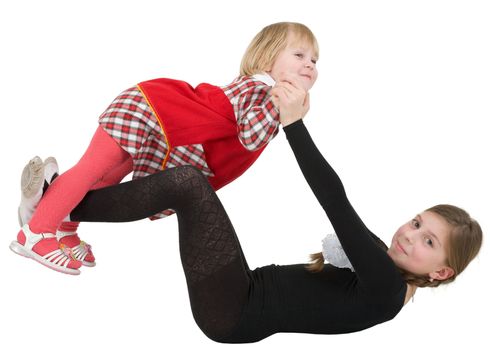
x,y
161,126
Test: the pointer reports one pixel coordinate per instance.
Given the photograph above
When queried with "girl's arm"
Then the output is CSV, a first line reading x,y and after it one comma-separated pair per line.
x,y
376,271
257,118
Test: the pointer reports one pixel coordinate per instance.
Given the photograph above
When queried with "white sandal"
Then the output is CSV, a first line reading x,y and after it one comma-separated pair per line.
x,y
35,178
80,251
57,260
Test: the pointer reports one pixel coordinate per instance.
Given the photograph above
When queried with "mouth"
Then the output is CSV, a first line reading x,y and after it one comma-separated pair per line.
x,y
306,76
400,248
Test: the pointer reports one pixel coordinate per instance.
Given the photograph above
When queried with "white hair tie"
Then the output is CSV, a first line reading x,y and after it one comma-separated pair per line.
x,y
334,254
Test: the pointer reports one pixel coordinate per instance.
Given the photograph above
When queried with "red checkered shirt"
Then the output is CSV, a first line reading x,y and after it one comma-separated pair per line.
x,y
131,122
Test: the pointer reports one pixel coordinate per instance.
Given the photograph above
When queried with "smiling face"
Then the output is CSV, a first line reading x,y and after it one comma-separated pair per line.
x,y
419,246
299,59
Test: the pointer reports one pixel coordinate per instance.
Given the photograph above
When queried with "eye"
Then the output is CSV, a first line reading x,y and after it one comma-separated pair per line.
x,y
314,61
415,223
429,242
299,55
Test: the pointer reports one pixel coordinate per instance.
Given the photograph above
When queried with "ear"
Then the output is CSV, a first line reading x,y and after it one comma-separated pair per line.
x,y
442,274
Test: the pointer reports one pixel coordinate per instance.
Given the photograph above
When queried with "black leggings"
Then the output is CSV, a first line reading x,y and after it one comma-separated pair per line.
x,y
215,268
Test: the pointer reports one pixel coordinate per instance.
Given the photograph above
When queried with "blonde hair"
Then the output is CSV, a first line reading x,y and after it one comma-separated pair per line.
x,y
465,241
269,42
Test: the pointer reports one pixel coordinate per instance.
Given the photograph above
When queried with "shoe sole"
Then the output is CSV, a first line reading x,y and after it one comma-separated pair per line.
x,y
18,248
31,180
32,177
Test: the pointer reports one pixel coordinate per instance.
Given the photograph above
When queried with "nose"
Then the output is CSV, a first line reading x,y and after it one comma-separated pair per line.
x,y
408,238
309,64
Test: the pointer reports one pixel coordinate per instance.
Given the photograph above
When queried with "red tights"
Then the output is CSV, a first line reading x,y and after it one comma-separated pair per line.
x,y
104,163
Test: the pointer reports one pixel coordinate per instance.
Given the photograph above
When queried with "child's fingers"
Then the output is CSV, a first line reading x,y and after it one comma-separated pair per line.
x,y
275,101
281,90
291,79
279,94
292,92
285,86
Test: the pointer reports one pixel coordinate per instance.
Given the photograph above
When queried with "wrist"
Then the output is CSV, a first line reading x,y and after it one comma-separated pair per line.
x,y
292,125
287,120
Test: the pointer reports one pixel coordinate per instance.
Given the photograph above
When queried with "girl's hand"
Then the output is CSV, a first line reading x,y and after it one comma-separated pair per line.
x,y
293,101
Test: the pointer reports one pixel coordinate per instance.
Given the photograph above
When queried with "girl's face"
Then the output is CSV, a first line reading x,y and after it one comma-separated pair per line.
x,y
299,59
419,246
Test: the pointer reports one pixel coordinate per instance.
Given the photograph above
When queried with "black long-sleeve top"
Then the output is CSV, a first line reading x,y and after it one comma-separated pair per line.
x,y
291,299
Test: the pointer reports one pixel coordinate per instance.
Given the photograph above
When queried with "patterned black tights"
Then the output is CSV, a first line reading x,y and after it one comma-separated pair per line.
x,y
214,265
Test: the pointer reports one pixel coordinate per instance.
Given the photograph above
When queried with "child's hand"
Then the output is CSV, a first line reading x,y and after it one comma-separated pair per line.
x,y
292,100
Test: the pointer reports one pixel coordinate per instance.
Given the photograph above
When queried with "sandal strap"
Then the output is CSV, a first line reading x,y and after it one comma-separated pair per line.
x,y
81,251
33,238
62,234
61,256
58,257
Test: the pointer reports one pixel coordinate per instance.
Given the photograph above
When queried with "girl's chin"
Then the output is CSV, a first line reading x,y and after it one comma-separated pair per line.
x,y
307,87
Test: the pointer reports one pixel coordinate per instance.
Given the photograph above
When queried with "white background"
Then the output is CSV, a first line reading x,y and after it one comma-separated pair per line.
x,y
400,110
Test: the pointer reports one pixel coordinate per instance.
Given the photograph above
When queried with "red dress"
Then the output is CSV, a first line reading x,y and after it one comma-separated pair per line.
x,y
164,123
201,115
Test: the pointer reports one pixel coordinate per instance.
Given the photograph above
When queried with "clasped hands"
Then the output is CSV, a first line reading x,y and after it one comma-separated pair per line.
x,y
291,99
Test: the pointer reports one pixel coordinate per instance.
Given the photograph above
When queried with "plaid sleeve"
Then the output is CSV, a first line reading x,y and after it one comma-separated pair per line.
x,y
257,118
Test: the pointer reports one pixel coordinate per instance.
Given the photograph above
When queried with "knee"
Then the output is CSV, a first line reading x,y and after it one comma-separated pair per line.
x,y
189,174
177,181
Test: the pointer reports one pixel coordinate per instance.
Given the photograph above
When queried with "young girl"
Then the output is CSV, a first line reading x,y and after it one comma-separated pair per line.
x,y
233,304
165,123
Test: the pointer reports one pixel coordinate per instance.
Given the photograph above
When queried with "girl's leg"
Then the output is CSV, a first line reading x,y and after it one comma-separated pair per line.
x,y
214,265
68,229
116,175
102,155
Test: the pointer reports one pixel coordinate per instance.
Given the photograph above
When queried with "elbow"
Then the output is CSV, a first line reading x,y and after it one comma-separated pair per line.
x,y
251,147
249,144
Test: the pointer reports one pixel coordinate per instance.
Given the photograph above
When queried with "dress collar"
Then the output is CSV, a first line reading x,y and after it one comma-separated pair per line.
x,y
265,78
